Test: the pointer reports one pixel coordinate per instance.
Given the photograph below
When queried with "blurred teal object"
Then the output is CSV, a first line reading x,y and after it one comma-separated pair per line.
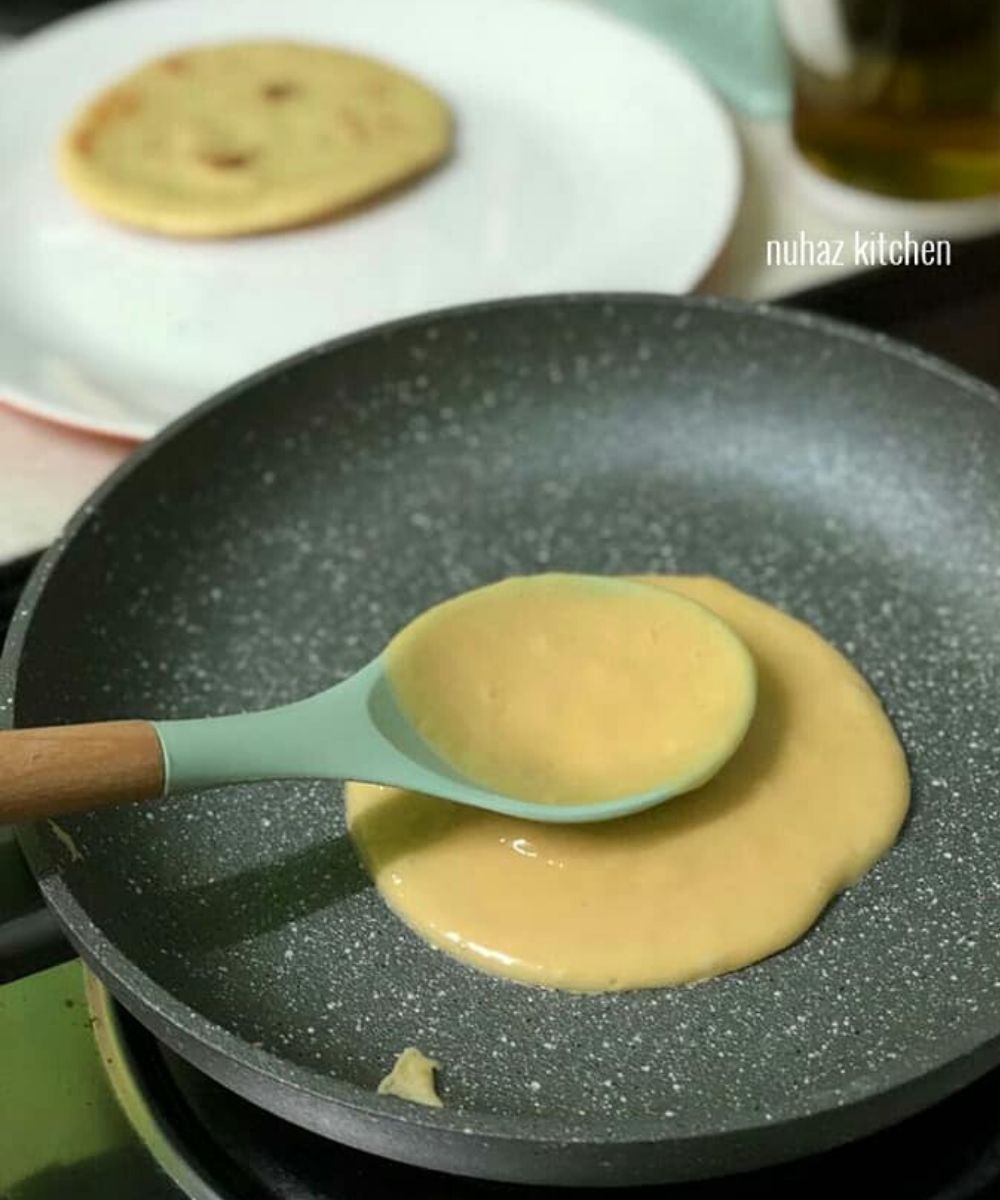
x,y
734,43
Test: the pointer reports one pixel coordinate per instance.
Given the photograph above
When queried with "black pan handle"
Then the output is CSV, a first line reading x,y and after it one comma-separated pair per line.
x,y
31,939
30,936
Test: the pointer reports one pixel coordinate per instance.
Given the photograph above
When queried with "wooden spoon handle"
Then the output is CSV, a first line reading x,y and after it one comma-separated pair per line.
x,y
44,772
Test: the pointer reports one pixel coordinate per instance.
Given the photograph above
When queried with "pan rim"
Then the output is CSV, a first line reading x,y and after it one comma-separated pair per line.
x,y
203,1042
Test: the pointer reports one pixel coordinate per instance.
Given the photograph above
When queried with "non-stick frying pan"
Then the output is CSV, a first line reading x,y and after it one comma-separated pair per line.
x,y
272,541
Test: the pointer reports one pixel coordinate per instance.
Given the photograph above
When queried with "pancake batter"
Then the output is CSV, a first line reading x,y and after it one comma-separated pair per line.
x,y
702,884
574,689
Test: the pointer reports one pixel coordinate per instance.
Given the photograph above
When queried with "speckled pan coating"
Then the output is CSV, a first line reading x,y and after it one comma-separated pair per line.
x,y
271,543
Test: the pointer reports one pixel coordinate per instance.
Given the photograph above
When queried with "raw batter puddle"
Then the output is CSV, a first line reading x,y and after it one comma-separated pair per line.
x,y
705,883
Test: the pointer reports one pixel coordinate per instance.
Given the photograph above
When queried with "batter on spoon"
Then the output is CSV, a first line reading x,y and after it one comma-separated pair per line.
x,y
574,689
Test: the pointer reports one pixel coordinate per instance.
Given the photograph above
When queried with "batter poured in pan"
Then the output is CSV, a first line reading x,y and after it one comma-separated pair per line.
x,y
703,884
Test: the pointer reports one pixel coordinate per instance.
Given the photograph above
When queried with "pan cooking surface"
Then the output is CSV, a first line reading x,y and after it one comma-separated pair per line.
x,y
272,544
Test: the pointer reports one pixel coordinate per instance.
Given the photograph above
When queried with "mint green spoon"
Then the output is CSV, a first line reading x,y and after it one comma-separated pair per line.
x,y
354,730
351,731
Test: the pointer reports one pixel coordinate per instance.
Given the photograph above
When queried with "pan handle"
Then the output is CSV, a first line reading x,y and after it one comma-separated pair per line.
x,y
31,938
45,772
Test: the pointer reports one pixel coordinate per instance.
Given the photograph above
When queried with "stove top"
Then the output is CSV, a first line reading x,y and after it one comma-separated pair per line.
x,y
93,1108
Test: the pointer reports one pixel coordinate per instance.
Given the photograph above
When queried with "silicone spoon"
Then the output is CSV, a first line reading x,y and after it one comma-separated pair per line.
x,y
353,730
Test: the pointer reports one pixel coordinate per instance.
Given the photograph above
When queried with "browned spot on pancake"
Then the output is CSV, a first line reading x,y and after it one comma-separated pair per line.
x,y
176,64
223,161
117,103
83,141
354,124
278,91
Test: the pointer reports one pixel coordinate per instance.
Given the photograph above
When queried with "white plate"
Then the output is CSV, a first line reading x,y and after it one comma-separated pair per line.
x,y
589,157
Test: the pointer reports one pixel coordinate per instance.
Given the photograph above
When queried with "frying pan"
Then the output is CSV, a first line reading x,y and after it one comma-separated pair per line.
x,y
272,541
